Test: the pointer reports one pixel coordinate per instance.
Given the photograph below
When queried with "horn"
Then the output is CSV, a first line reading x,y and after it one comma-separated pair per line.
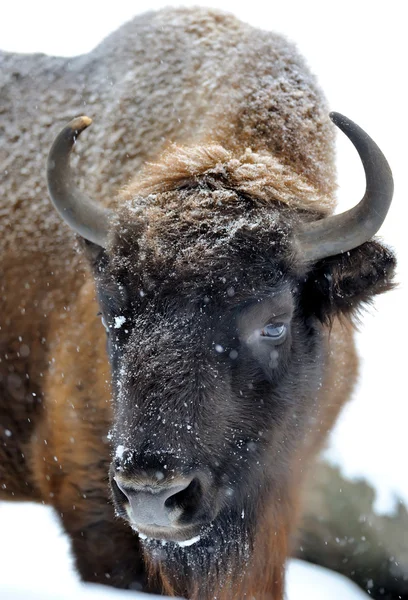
x,y
82,215
340,233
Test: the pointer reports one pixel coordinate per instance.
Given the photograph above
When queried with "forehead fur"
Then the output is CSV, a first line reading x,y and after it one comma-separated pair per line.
x,y
202,209
260,175
201,235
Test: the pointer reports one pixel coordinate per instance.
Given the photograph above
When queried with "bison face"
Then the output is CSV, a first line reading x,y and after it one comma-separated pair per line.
x,y
218,353
207,395
212,369
215,367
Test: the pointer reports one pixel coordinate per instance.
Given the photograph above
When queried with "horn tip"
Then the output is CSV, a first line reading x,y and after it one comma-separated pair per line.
x,y
80,123
336,117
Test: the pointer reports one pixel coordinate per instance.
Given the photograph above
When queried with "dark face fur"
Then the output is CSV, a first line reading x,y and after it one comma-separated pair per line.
x,y
217,340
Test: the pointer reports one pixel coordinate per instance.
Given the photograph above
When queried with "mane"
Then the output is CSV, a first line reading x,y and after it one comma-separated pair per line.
x,y
260,175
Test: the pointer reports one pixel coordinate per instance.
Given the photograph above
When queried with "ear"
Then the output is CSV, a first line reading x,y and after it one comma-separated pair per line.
x,y
342,284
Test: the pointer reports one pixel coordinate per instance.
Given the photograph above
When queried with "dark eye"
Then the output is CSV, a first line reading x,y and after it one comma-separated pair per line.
x,y
274,331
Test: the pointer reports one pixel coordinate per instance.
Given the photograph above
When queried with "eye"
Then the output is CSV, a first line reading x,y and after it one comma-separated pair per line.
x,y
274,331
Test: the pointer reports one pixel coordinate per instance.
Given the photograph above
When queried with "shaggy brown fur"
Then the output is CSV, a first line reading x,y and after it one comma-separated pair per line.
x,y
261,176
220,140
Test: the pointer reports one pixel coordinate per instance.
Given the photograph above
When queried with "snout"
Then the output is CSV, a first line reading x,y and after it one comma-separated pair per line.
x,y
173,510
160,506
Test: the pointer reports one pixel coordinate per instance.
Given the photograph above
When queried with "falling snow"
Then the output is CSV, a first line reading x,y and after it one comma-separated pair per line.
x,y
39,555
119,452
118,322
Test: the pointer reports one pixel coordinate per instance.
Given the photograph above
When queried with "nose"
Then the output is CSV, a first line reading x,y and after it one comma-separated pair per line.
x,y
163,505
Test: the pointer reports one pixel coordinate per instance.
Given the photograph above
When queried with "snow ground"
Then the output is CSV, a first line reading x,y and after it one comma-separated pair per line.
x,y
358,51
33,542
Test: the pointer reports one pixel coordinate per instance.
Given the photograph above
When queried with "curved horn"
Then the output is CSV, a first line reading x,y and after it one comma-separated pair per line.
x,y
343,232
86,218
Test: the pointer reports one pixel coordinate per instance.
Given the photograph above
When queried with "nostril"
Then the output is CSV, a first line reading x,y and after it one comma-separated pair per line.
x,y
186,499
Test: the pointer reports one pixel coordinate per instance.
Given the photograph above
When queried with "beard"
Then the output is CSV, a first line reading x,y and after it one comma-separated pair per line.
x,y
212,563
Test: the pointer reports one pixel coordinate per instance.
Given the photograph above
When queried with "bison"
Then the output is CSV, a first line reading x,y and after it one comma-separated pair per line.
x,y
175,446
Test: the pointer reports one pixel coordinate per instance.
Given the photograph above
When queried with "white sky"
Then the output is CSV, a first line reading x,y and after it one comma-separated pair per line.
x,y
359,51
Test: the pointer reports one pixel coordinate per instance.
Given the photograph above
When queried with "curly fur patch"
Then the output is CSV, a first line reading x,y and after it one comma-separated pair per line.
x,y
260,175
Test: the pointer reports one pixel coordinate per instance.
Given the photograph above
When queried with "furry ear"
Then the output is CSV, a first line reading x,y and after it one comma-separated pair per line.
x,y
342,284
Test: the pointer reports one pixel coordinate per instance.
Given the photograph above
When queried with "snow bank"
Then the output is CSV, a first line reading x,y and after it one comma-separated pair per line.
x,y
310,582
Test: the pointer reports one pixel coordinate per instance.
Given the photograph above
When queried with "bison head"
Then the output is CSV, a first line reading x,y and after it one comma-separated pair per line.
x,y
217,309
